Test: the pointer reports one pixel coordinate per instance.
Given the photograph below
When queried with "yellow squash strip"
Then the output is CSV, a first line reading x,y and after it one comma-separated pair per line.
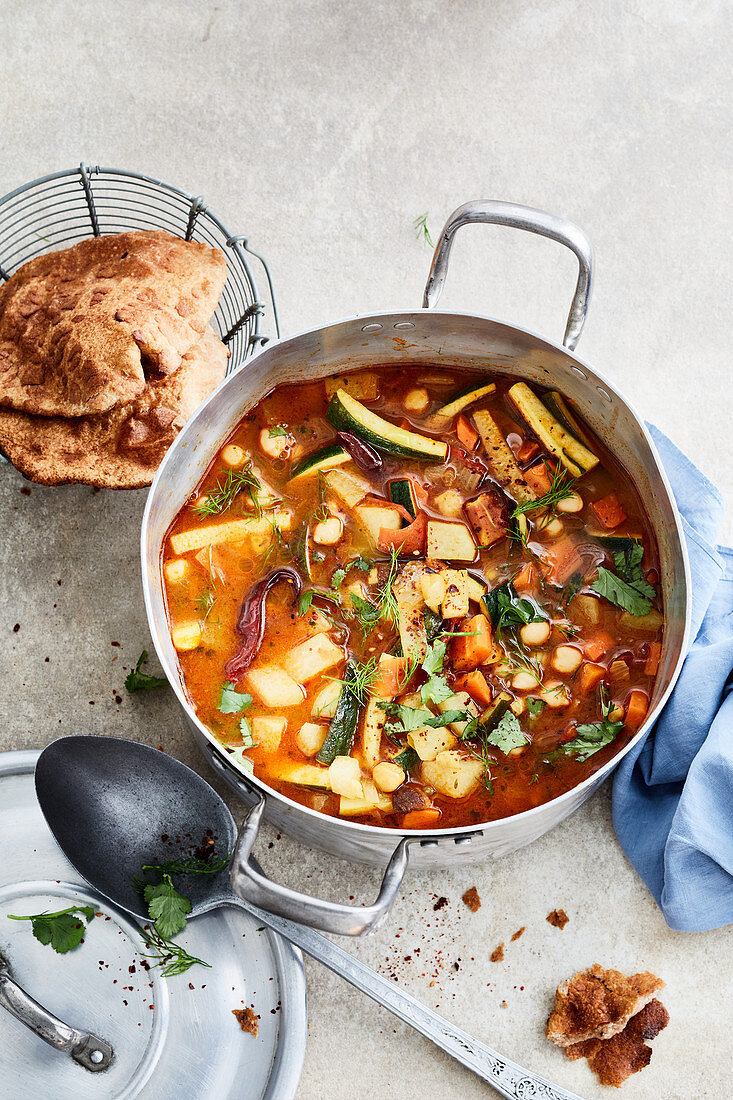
x,y
228,530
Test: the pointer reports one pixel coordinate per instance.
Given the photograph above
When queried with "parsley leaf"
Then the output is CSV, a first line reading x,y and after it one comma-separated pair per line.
x,y
63,930
141,681
618,592
306,600
233,702
166,907
436,690
248,741
628,566
593,736
535,707
508,734
407,759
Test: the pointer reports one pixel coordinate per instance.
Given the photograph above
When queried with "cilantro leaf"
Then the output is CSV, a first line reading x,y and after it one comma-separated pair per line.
x,y
233,702
535,707
276,431
337,577
63,930
244,761
619,593
361,563
591,737
166,907
306,600
411,717
446,717
248,741
407,759
141,681
508,734
628,566
434,659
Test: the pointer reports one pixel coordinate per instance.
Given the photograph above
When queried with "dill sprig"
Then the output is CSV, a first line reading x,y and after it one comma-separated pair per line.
x,y
420,225
190,865
561,487
173,957
384,607
221,498
362,677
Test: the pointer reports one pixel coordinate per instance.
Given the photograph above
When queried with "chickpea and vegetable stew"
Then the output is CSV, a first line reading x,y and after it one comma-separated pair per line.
x,y
416,599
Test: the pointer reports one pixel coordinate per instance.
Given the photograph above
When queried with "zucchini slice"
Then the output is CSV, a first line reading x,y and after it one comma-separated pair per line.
x,y
501,459
558,407
492,715
402,491
617,544
571,452
349,415
341,732
325,459
462,400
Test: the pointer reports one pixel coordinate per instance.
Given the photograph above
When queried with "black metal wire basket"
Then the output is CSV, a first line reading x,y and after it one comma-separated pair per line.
x,y
56,210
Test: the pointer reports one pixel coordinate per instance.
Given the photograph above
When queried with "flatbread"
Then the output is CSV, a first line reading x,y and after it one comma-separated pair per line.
x,y
122,448
80,327
598,1003
613,1060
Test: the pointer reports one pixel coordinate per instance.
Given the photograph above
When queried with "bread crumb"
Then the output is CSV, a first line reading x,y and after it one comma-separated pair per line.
x,y
497,955
613,1060
247,1019
472,900
598,1003
558,918
518,933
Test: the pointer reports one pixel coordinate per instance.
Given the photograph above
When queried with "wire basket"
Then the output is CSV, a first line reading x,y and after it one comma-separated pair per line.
x,y
54,211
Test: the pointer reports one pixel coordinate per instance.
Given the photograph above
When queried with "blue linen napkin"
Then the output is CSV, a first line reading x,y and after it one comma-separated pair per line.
x,y
673,794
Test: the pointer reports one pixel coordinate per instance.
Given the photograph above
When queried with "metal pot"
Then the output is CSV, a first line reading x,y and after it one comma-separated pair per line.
x,y
427,337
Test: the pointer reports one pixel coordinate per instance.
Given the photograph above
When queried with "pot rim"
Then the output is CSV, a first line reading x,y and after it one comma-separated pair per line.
x,y
458,831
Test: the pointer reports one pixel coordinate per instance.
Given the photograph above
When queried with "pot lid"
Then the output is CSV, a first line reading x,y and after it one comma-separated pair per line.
x,y
171,1036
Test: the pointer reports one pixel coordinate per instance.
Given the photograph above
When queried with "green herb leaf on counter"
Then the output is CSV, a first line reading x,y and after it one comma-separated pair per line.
x,y
141,681
171,956
422,232
167,908
190,865
233,702
63,930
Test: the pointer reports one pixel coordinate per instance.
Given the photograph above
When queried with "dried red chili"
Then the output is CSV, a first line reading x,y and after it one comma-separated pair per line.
x,y
365,456
251,619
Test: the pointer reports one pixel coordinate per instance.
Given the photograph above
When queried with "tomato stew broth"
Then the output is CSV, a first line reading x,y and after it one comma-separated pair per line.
x,y
560,650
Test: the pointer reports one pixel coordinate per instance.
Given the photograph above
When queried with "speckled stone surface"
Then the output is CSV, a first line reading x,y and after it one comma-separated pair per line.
x,y
321,130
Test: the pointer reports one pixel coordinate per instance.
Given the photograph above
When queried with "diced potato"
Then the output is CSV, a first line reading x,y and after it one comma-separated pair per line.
x,y
450,503
375,718
328,532
317,622
267,731
428,742
345,777
347,488
312,657
363,385
304,775
476,588
455,602
186,636
388,776
461,701
274,687
229,530
372,800
433,589
450,541
651,621
324,704
452,773
372,518
586,608
310,737
416,400
176,570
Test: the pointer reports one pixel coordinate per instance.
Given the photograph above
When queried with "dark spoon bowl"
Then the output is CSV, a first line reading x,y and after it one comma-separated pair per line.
x,y
114,805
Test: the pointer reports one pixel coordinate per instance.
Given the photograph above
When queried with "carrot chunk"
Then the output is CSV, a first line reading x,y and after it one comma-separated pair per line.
x,y
524,579
475,648
390,677
636,707
475,684
590,675
538,479
527,451
652,662
409,540
466,432
565,560
608,511
421,819
599,645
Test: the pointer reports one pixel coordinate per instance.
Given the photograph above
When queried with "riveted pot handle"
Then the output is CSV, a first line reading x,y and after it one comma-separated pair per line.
x,y
252,886
493,212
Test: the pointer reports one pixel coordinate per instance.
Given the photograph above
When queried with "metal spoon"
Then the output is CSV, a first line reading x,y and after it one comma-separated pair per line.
x,y
114,805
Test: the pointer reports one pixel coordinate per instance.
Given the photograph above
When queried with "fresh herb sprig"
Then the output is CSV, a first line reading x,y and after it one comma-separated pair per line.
x,y
63,930
137,680
422,232
628,588
189,865
591,737
561,487
221,498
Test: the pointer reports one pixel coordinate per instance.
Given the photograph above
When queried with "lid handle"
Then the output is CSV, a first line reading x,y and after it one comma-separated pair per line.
x,y
252,886
88,1050
493,212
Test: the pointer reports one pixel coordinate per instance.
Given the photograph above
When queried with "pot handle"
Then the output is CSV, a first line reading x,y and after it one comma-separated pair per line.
x,y
252,886
493,212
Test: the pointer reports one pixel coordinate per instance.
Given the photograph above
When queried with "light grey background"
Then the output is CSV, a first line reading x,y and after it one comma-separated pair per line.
x,y
321,130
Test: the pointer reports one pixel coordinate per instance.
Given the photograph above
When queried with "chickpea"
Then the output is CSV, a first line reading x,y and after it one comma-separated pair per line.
x,y
388,776
535,633
274,446
555,695
573,503
566,659
450,503
524,681
233,456
552,528
416,400
176,570
328,531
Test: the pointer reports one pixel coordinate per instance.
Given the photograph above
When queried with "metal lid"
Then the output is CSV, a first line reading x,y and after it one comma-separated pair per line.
x,y
171,1036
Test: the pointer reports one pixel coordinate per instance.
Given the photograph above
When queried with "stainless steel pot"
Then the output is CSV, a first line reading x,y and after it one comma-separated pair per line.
x,y
422,336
